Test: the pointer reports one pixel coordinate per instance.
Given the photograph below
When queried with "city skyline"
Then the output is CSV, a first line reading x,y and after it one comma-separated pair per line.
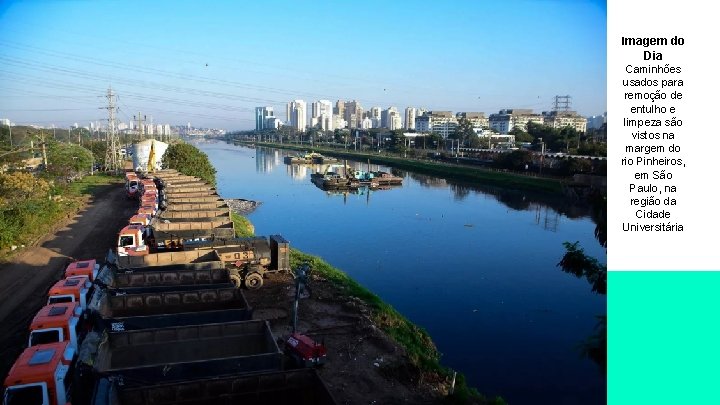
x,y
214,65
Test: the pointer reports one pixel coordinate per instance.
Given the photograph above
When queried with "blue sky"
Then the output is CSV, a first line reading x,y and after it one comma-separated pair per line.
x,y
57,58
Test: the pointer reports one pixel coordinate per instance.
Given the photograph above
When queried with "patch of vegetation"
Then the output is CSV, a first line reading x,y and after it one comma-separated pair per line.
x,y
189,160
415,340
243,227
31,206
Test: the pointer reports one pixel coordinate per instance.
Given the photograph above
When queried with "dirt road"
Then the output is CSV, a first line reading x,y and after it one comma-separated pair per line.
x,y
25,280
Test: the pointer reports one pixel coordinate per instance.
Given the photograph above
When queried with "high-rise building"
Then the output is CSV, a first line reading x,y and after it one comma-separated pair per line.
x,y
410,115
394,120
353,114
262,114
321,108
339,108
375,112
297,115
385,117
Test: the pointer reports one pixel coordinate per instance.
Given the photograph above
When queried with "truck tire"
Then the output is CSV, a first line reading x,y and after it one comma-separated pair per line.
x,y
236,280
253,281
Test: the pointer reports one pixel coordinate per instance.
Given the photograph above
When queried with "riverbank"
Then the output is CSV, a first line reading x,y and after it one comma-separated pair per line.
x,y
460,172
375,353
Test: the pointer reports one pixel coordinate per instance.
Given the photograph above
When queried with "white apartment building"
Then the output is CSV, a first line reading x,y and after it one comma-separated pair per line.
x,y
441,122
297,115
506,120
410,115
559,119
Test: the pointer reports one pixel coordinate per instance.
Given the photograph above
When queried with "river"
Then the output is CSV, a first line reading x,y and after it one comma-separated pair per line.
x,y
475,267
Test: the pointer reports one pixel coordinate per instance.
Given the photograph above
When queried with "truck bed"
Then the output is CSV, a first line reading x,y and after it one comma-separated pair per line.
x,y
221,232
174,275
296,387
220,222
194,206
150,356
174,216
204,199
164,301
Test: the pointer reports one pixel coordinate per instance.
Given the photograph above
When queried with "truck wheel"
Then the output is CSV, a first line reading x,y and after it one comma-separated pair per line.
x,y
235,279
253,281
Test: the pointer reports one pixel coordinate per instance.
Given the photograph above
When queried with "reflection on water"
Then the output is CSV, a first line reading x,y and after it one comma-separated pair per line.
x,y
474,265
547,210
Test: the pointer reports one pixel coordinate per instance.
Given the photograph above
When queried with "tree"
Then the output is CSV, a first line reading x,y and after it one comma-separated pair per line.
x,y
520,135
20,186
98,149
397,141
464,131
516,159
577,263
189,160
68,160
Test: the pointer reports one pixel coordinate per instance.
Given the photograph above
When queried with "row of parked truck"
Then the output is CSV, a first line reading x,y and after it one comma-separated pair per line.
x,y
169,326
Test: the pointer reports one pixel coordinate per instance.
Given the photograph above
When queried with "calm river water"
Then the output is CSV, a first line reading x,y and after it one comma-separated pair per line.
x,y
476,268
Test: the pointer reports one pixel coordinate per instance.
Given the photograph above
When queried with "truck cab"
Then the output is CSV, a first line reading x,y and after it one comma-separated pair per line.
x,y
75,289
56,323
131,241
41,375
140,219
132,183
88,268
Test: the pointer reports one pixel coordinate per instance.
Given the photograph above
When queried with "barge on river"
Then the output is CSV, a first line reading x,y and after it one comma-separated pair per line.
x,y
309,158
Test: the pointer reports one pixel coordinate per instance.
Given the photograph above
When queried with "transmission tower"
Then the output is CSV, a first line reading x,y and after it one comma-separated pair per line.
x,y
112,155
140,127
562,103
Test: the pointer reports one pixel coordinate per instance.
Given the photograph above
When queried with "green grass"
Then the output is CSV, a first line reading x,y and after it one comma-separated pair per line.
x,y
88,185
465,173
243,227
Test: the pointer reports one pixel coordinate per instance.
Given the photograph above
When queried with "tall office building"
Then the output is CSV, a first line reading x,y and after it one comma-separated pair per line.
x,y
297,114
261,117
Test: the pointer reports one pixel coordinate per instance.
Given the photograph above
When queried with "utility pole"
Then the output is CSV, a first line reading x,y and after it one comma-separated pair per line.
x,y
112,155
42,138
